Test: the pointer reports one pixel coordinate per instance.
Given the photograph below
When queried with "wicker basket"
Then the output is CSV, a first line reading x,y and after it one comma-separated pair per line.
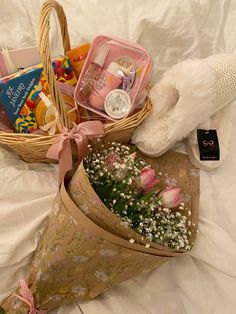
x,y
33,147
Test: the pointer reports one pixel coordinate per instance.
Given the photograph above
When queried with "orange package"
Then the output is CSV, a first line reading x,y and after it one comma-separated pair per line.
x,y
77,57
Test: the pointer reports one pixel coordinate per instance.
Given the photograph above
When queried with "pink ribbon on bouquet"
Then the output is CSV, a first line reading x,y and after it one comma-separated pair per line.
x,y
81,133
27,297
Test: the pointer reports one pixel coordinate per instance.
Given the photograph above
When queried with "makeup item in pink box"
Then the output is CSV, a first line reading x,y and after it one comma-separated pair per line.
x,y
92,73
117,89
109,80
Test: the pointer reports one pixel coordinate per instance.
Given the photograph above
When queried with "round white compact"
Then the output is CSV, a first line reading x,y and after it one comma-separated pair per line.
x,y
117,103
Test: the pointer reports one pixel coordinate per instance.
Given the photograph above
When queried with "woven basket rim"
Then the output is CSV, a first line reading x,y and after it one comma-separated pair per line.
x,y
117,126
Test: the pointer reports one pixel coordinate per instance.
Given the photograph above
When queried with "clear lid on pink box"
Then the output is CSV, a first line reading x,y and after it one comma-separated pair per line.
x,y
135,63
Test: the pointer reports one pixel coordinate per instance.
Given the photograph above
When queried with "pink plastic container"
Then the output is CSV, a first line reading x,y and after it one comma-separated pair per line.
x,y
133,59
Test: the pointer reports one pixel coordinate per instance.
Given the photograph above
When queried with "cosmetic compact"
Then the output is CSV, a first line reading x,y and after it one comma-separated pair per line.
x,y
117,104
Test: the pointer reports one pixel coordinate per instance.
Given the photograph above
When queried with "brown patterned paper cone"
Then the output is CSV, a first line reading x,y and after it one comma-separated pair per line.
x,y
84,249
77,260
175,169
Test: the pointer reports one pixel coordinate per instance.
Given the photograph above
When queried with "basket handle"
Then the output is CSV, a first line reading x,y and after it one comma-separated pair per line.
x,y
44,50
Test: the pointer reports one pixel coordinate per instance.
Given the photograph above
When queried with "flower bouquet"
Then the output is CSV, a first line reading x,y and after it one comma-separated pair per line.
x,y
119,191
119,216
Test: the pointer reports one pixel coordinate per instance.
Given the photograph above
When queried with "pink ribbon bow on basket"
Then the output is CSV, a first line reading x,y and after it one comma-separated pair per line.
x,y
81,133
27,297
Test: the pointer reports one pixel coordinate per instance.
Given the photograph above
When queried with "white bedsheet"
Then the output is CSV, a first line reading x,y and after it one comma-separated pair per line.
x,y
203,281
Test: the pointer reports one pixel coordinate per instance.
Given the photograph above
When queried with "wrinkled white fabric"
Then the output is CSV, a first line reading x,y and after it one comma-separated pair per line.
x,y
203,281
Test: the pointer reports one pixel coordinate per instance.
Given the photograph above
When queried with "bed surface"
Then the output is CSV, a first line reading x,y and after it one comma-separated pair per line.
x,y
203,281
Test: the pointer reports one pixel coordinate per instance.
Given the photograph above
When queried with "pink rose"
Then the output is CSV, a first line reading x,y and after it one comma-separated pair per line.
x,y
148,179
170,197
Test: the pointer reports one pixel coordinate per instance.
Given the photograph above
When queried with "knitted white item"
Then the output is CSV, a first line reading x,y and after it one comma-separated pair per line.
x,y
224,69
188,94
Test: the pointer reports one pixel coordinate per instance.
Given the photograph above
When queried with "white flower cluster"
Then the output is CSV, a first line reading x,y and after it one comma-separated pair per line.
x,y
167,228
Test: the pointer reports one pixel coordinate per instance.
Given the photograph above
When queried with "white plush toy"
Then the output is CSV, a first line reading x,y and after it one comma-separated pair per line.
x,y
192,94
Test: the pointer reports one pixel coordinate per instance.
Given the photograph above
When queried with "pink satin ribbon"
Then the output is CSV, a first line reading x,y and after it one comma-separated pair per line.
x,y
81,133
27,297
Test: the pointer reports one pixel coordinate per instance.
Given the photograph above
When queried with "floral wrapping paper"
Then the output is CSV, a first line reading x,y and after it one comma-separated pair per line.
x,y
77,259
